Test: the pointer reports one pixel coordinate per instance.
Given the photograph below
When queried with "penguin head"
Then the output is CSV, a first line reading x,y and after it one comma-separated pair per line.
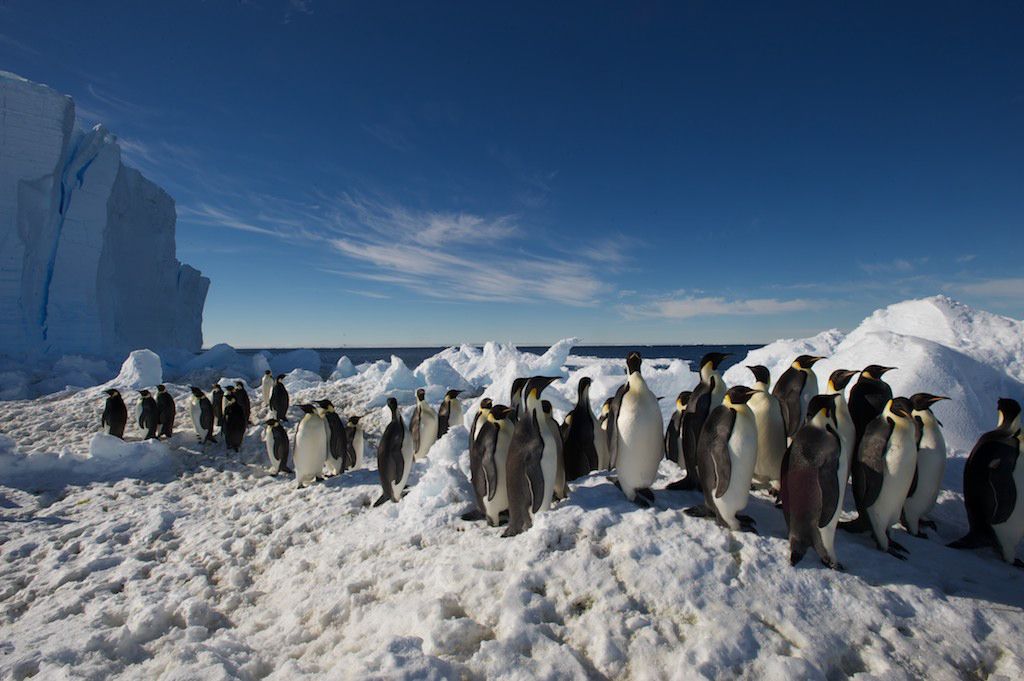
x,y
633,361
216,388
924,401
583,387
517,388
1009,414
240,385
196,391
229,398
421,394
111,392
353,420
606,407
230,390
143,393
307,408
326,405
761,374
875,371
161,388
535,386
840,378
486,403
267,373
393,406
452,394
714,359
270,422
806,361
499,412
681,400
822,404
280,377
567,421
900,406
739,394
545,407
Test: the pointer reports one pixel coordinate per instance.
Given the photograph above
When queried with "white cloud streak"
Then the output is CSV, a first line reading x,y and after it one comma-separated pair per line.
x,y
716,306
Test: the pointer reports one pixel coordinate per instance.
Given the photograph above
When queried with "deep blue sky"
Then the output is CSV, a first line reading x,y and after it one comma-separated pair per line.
x,y
417,173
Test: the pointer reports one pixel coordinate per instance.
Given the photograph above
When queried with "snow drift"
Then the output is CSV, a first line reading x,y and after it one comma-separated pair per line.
x,y
87,248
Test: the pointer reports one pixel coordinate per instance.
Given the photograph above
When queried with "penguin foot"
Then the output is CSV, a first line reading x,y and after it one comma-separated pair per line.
x,y
898,547
685,485
833,565
384,498
510,532
697,511
930,524
747,524
858,524
1018,563
470,516
969,541
644,497
894,552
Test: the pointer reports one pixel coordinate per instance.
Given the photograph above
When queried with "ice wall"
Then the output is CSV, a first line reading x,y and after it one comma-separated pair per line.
x,y
87,246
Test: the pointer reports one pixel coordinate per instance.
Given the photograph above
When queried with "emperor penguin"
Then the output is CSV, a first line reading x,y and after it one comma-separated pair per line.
x,y
149,418
490,453
635,435
994,487
310,446
726,454
836,386
771,429
234,422
794,390
931,464
480,418
532,465
515,397
868,398
266,387
708,394
115,414
449,413
582,435
276,438
814,484
603,455
337,438
217,402
165,410
423,426
354,435
202,416
882,473
242,397
279,399
561,491
672,430
394,457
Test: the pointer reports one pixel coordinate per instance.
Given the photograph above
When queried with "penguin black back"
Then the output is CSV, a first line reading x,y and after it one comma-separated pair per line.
x,y
579,450
165,411
868,398
390,463
115,414
149,418
234,423
279,399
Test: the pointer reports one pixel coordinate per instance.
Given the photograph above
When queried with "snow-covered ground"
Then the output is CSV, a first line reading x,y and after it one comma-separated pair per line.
x,y
175,561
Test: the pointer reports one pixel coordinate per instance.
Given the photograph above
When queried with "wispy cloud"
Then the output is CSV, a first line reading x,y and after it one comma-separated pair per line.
x,y
896,266
16,45
1007,287
389,136
716,306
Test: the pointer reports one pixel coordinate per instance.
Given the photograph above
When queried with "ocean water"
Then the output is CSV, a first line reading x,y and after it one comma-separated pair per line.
x,y
413,356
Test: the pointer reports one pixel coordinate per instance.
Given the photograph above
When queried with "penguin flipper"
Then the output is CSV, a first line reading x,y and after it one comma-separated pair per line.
x,y
488,486
828,477
714,443
868,469
414,429
1000,480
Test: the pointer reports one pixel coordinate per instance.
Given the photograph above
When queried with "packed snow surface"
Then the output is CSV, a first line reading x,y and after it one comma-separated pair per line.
x,y
176,561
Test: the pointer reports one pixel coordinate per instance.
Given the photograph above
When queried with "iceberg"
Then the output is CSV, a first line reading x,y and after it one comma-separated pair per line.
x,y
87,244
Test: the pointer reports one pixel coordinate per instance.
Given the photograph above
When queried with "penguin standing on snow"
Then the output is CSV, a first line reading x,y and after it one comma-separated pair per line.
x,y
672,430
165,410
423,426
234,422
814,484
394,457
481,418
582,435
515,397
488,463
449,413
242,397
771,429
635,433
354,436
266,387
882,473
561,491
149,419
217,402
202,416
794,390
279,400
931,464
603,455
708,394
868,398
310,446
276,438
726,454
337,438
836,387
994,487
531,466
115,414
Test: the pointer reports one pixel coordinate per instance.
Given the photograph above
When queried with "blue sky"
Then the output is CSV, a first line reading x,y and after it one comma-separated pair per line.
x,y
655,172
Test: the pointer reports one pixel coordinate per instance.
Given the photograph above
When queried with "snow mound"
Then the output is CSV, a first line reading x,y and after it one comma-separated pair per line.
x,y
296,359
301,379
779,355
142,369
435,371
222,357
260,363
441,492
343,369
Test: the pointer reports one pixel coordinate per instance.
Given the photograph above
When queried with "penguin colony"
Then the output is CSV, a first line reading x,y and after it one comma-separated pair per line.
x,y
803,446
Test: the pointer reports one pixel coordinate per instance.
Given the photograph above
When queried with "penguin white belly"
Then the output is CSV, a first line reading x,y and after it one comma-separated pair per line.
x,y
268,437
900,462
931,466
357,445
601,446
407,458
428,433
771,437
492,507
548,462
197,413
1009,534
310,448
455,414
742,457
640,428
266,386
847,436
